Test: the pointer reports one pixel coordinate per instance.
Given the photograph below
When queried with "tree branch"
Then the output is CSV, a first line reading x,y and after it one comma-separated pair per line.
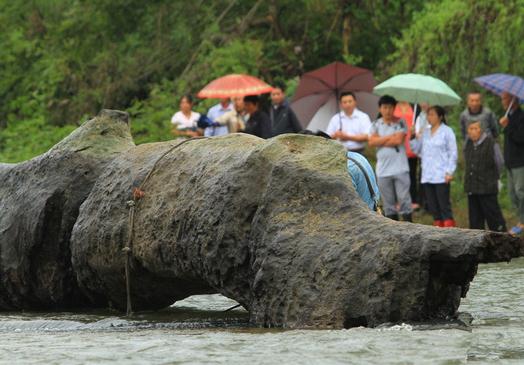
x,y
201,45
247,19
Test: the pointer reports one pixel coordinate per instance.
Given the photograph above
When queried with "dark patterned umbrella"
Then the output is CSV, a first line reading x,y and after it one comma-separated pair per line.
x,y
499,83
316,98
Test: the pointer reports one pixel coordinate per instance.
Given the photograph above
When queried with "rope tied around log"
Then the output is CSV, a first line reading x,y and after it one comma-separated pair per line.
x,y
137,195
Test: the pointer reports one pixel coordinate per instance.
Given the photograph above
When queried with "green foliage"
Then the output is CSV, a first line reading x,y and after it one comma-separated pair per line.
x,y
24,140
150,118
374,26
63,60
457,40
238,56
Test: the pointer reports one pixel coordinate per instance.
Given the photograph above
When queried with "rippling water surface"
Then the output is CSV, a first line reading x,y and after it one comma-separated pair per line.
x,y
197,330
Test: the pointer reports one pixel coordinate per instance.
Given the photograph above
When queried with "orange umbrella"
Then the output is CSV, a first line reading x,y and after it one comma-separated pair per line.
x,y
234,85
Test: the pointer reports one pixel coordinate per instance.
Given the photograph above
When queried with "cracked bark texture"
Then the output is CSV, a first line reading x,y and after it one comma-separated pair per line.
x,y
39,202
276,225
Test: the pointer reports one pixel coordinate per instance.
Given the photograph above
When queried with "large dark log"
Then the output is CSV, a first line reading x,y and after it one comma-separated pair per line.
x,y
39,202
275,225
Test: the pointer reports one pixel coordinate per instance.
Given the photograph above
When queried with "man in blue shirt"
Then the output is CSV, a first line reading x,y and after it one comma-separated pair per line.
x,y
213,113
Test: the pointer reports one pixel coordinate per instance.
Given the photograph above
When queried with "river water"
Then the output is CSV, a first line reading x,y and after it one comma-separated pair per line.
x,y
197,330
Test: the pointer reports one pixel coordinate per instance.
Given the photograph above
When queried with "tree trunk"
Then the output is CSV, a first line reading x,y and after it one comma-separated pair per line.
x,y
346,5
346,34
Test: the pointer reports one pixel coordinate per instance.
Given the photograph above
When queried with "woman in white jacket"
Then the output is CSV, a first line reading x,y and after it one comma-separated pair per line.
x,y
437,148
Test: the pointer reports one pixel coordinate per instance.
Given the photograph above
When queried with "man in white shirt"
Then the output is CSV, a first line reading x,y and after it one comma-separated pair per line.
x,y
213,113
350,126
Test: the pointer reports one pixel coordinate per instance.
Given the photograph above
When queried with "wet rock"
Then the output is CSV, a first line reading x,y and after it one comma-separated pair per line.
x,y
275,225
39,202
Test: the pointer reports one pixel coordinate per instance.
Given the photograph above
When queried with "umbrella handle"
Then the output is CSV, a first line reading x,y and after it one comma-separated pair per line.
x,y
414,121
337,102
509,107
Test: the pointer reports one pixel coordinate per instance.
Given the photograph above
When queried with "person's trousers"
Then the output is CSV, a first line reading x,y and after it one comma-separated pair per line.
x,y
438,202
414,181
485,208
516,190
395,189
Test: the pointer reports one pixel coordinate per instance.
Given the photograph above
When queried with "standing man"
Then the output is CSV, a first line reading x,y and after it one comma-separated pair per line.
x,y
513,125
475,111
283,119
234,120
388,134
213,113
258,123
350,126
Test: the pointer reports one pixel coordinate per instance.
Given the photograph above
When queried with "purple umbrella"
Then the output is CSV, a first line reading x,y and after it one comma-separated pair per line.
x,y
499,83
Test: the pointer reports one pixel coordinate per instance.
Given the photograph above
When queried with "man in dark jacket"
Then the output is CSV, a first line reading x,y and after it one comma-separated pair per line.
x,y
283,119
513,125
258,123
476,111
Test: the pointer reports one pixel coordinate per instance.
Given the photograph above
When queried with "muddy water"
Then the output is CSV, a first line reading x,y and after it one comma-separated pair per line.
x,y
197,330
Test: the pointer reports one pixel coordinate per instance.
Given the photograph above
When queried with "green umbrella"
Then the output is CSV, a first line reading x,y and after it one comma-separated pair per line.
x,y
416,88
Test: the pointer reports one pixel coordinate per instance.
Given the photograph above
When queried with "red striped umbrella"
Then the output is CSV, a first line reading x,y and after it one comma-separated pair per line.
x,y
234,85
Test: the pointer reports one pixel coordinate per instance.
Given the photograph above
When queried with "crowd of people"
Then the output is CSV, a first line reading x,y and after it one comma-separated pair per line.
x,y
238,114
416,153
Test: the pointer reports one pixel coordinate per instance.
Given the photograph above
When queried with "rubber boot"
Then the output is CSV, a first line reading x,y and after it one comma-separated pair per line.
x,y
407,217
438,223
393,216
449,223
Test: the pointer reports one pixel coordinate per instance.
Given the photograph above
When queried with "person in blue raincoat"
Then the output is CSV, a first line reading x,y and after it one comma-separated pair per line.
x,y
362,175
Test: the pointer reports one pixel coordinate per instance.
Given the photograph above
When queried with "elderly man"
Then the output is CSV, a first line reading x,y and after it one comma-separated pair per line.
x,y
350,126
235,119
475,111
513,125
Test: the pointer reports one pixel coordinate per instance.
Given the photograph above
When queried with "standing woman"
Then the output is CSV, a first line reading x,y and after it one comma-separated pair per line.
x,y
185,120
437,148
